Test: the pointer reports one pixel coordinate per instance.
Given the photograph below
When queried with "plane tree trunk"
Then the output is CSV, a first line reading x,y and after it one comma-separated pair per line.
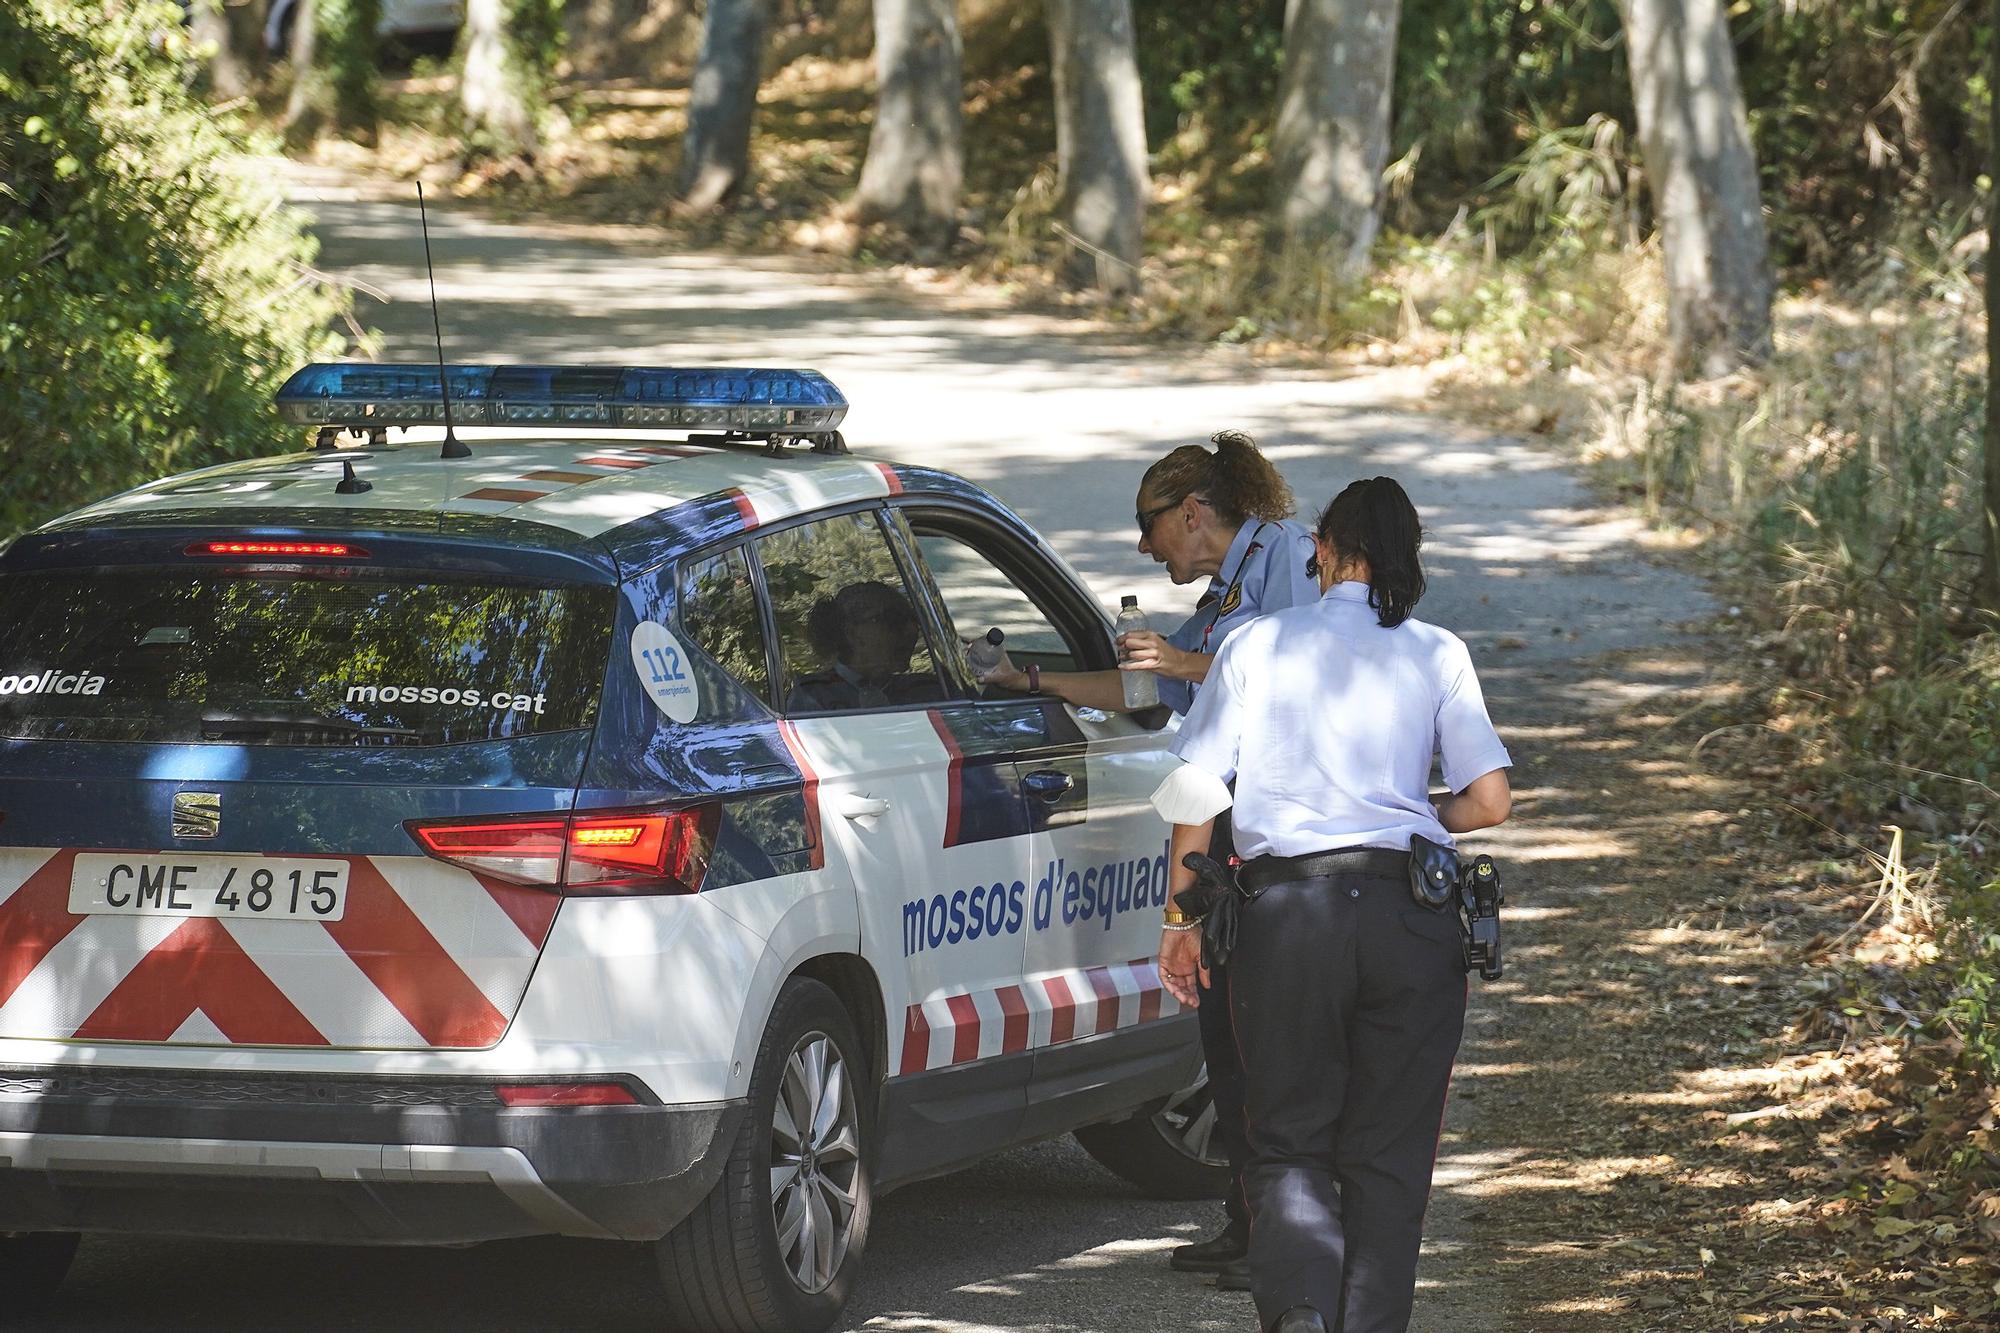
x,y
1331,140
715,158
1695,141
235,29
916,161
1989,567
1100,141
492,87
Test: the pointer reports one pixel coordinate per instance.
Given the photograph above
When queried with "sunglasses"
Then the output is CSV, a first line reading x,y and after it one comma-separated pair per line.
x,y
1145,518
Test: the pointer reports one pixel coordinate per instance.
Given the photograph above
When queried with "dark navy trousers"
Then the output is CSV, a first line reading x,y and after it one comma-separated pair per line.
x,y
1349,1001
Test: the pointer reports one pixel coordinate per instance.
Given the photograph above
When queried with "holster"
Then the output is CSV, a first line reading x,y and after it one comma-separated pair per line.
x,y
1213,900
1433,873
1472,893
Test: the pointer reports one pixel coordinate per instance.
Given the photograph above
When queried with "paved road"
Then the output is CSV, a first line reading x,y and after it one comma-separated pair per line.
x,y
1060,424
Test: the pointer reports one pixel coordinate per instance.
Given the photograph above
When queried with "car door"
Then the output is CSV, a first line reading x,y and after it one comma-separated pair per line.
x,y
1097,852
925,817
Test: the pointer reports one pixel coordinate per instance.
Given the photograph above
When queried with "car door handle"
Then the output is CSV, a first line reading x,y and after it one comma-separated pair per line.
x,y
853,805
1049,784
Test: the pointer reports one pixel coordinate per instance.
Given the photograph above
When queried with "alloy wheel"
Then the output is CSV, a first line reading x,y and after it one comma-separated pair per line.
x,y
815,1162
1188,1122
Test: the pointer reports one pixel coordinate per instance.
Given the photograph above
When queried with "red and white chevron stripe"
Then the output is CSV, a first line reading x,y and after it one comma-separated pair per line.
x,y
426,956
1043,1010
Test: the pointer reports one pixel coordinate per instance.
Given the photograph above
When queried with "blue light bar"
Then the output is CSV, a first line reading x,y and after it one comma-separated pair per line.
x,y
757,402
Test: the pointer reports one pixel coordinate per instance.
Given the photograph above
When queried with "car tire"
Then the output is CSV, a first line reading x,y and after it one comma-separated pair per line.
x,y
766,1252
32,1265
1170,1150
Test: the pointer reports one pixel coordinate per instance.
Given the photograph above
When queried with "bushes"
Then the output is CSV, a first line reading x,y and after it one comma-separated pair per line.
x,y
156,290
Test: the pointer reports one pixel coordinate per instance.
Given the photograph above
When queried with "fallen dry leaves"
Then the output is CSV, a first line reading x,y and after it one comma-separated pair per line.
x,y
1694,1121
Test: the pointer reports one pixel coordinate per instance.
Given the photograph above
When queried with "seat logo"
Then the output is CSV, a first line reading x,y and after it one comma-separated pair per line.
x,y
197,814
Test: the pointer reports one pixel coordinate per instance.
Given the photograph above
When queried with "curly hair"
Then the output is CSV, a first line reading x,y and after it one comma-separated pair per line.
x,y
1236,479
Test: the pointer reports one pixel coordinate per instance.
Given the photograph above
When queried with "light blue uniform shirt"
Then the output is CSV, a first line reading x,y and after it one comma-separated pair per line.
x,y
1328,723
1263,571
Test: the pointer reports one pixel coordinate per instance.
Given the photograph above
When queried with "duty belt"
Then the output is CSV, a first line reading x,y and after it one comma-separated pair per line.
x,y
1261,872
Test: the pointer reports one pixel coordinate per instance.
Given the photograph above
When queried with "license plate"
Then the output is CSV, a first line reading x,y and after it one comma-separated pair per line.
x,y
262,888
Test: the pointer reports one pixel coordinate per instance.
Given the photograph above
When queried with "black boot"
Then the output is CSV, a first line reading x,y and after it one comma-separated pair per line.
x,y
1299,1319
1233,1276
1212,1256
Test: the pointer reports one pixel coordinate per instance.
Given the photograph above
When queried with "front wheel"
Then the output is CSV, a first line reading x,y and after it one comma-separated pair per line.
x,y
32,1265
1171,1151
776,1245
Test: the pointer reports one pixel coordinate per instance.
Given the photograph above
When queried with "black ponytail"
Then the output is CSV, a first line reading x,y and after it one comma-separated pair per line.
x,y
1375,521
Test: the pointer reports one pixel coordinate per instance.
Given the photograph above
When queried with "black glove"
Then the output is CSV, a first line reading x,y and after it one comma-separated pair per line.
x,y
1213,900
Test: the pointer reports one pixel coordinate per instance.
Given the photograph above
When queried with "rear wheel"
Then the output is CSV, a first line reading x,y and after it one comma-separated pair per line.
x,y
32,1266
1171,1151
775,1247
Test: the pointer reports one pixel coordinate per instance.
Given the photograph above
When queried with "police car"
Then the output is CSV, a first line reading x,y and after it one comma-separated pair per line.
x,y
585,826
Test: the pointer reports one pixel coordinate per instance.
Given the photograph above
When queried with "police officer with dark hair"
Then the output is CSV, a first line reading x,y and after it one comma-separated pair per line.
x,y
1347,994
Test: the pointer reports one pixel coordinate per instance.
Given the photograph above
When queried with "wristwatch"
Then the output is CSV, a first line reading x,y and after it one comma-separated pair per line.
x,y
1034,678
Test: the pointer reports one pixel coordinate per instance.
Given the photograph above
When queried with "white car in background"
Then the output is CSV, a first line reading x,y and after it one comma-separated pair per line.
x,y
400,18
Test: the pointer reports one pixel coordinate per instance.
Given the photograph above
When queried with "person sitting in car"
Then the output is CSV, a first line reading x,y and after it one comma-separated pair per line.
x,y
866,633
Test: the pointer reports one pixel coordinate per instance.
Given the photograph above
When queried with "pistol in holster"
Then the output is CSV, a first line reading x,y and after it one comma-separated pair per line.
x,y
1213,900
1470,890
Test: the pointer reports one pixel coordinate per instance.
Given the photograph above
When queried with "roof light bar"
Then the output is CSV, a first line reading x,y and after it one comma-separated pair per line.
x,y
754,401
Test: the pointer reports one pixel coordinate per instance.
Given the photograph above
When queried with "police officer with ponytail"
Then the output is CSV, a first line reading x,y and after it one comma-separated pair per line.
x,y
1347,994
1223,515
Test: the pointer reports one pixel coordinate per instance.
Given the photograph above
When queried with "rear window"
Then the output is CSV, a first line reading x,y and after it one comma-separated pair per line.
x,y
281,660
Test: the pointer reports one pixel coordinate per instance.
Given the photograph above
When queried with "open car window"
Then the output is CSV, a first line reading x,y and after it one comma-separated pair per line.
x,y
984,580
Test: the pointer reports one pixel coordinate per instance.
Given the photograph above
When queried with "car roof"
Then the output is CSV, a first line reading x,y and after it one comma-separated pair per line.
x,y
610,486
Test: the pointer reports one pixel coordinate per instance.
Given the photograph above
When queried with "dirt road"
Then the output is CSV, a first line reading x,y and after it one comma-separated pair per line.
x,y
1059,422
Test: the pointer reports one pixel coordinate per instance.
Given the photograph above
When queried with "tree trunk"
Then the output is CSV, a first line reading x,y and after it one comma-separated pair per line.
x,y
1331,140
305,110
915,163
715,159
1695,143
491,89
1989,565
236,32
1100,140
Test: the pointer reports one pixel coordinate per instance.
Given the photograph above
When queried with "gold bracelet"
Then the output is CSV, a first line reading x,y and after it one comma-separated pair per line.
x,y
1176,917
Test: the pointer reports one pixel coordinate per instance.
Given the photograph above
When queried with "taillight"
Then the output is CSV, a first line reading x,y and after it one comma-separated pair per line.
x,y
288,550
597,852
566,1094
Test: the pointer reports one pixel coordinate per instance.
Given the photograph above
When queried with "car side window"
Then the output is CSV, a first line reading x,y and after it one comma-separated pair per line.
x,y
978,593
719,612
850,635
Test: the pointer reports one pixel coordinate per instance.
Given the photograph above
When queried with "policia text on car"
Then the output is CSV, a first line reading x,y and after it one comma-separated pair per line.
x,y
1347,987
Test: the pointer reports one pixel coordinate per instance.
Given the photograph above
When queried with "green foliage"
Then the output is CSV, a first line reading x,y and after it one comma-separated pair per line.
x,y
156,292
1217,63
350,56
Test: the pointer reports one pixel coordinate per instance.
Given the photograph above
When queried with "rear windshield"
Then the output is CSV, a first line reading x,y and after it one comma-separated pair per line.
x,y
284,660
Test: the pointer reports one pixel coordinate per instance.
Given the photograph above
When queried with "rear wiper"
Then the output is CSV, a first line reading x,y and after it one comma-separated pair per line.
x,y
266,722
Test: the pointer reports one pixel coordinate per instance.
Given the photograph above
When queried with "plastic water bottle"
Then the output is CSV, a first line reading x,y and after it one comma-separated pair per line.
x,y
983,653
1142,688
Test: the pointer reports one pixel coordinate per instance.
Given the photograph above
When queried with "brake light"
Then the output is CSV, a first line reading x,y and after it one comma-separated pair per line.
x,y
565,1094
310,550
625,851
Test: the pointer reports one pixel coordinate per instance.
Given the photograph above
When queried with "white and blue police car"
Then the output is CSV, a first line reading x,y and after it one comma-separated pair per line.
x,y
586,827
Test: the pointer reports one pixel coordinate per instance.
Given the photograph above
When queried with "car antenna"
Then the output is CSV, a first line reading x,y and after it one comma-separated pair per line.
x,y
453,446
